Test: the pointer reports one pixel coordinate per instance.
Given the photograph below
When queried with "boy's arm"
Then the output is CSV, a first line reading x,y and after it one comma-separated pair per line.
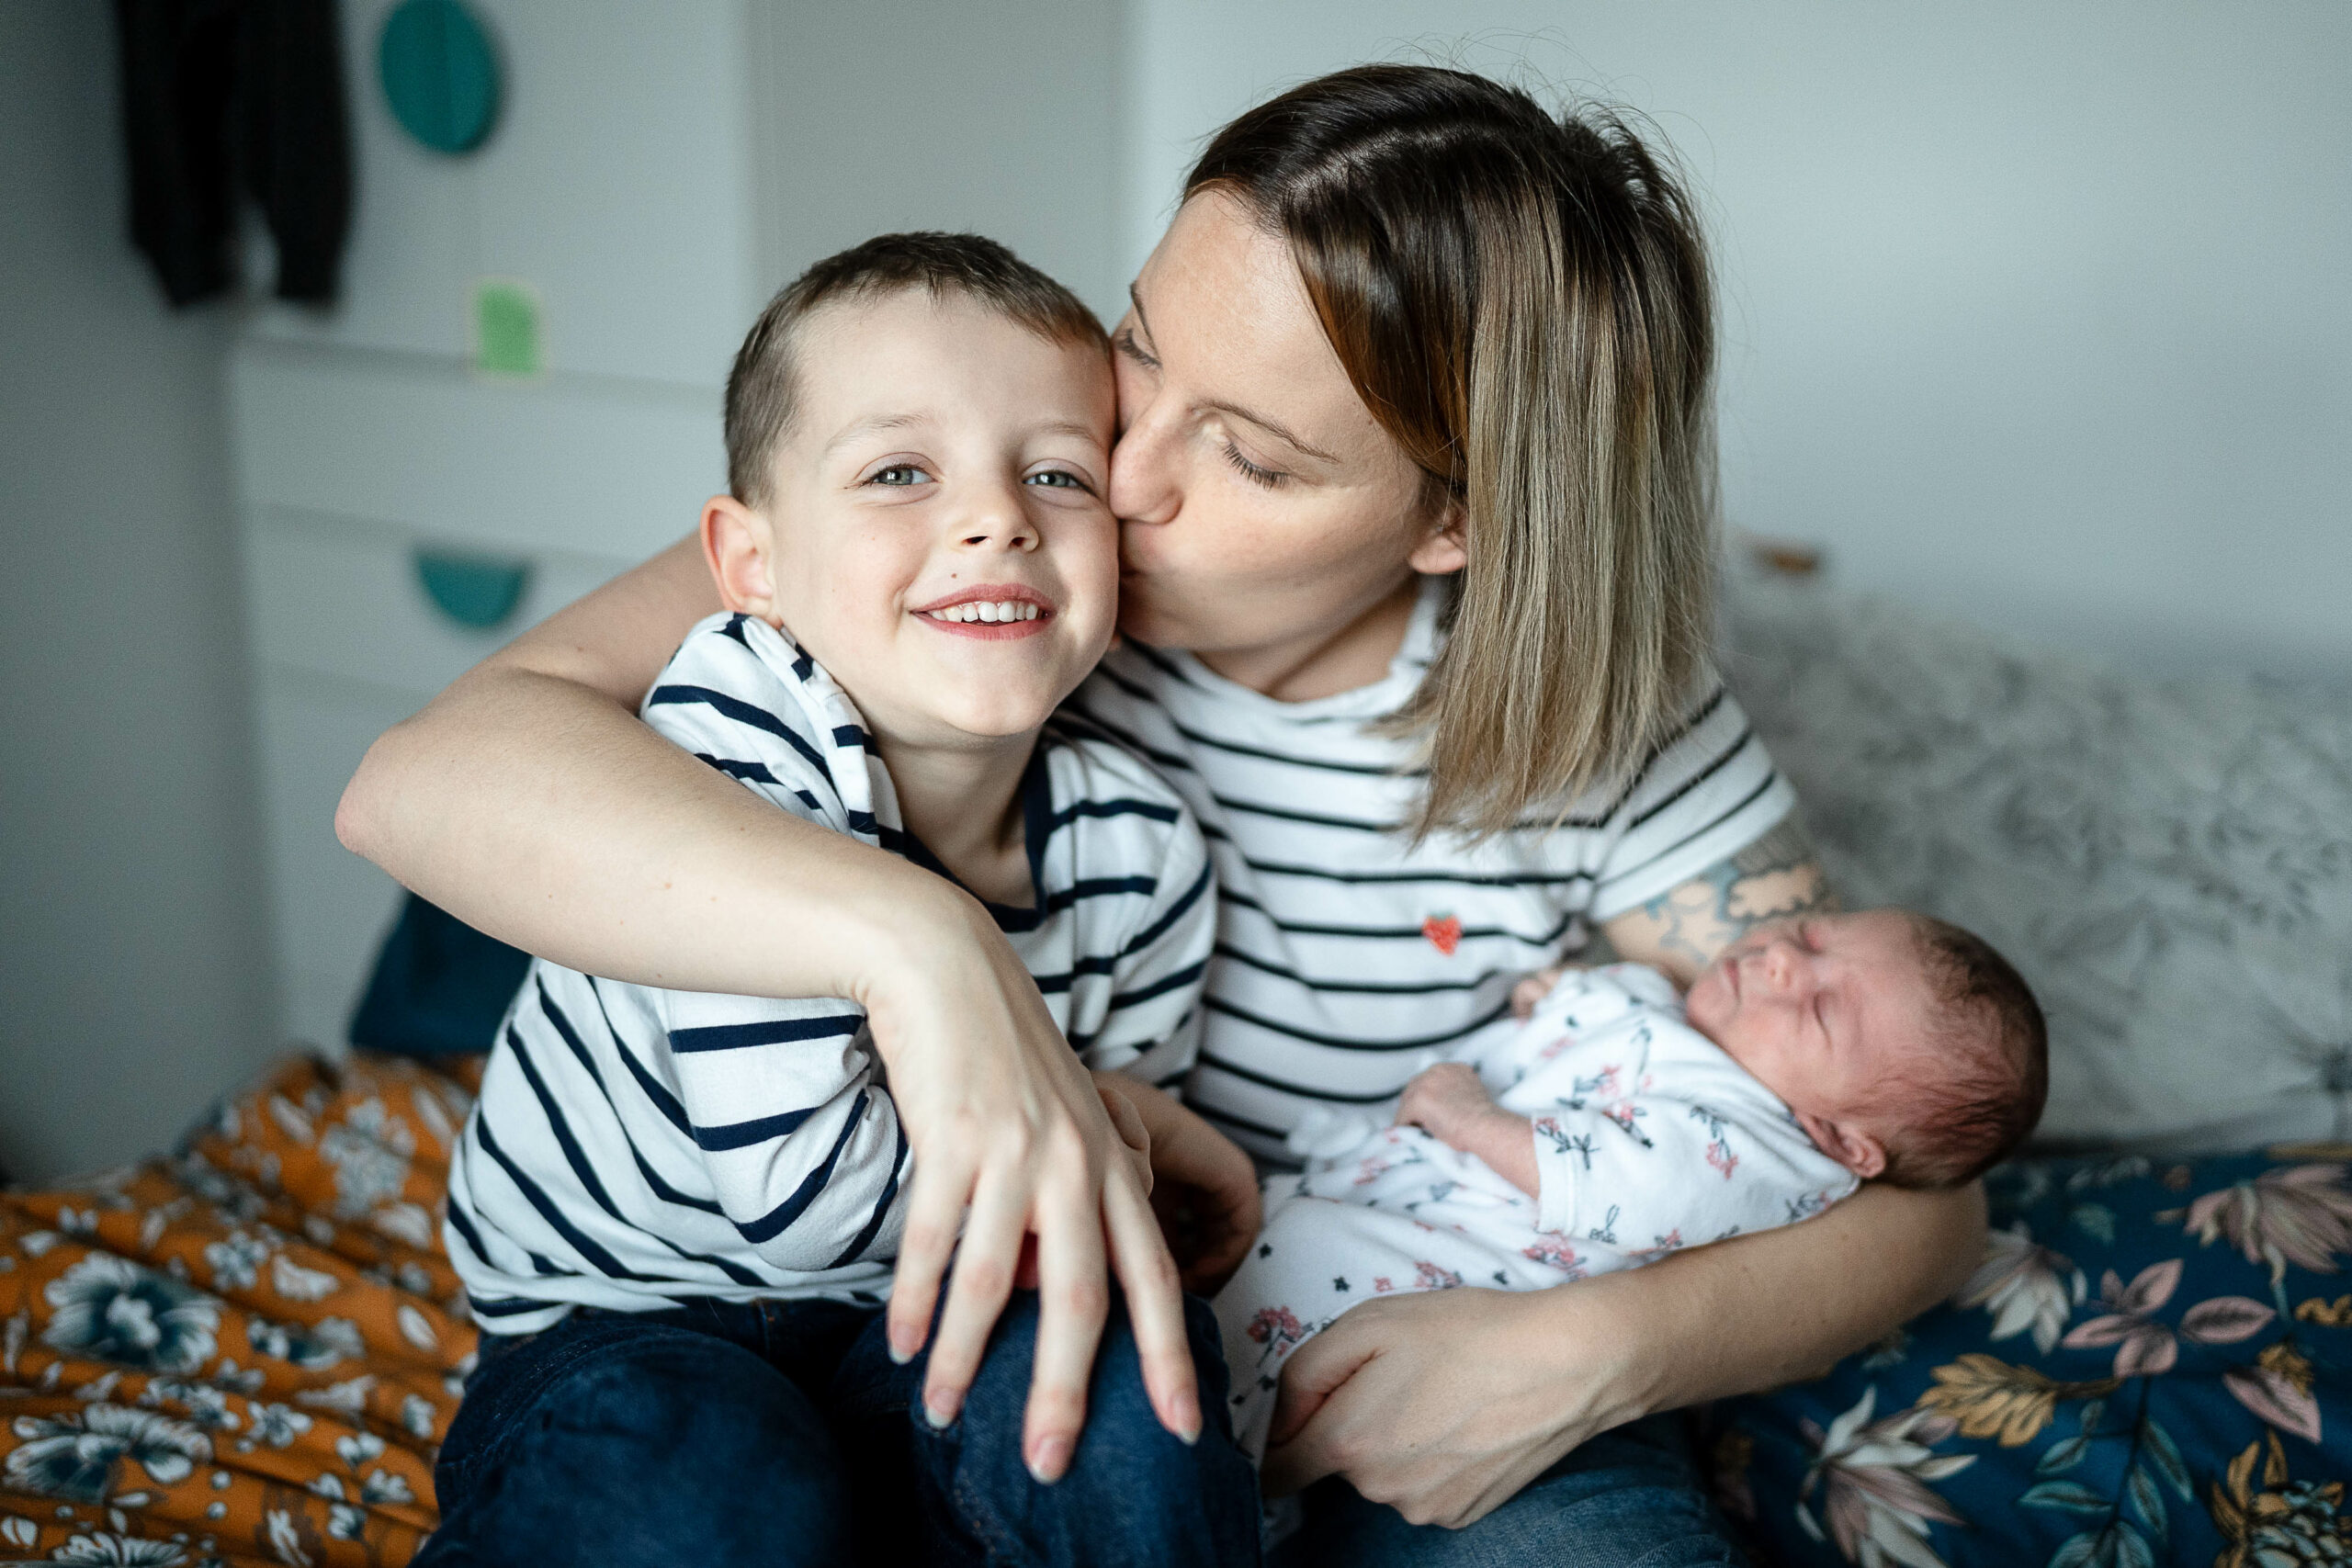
x,y
804,1148
806,1154
1205,1188
1150,1026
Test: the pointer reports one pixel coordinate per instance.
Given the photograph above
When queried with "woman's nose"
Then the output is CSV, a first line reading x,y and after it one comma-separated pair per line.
x,y
1146,486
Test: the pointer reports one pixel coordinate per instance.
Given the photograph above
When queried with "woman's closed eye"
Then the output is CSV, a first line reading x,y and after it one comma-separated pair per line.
x,y
1125,343
1253,472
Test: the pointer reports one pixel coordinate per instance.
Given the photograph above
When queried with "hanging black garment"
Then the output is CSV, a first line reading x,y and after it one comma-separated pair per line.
x,y
223,95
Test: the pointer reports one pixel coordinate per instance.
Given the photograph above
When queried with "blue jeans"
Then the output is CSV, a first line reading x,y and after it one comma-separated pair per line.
x,y
1630,1498
780,1432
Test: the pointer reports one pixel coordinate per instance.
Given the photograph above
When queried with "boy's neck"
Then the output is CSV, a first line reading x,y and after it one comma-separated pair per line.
x,y
964,804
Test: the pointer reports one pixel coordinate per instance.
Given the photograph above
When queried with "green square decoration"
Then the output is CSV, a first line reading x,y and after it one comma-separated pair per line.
x,y
508,341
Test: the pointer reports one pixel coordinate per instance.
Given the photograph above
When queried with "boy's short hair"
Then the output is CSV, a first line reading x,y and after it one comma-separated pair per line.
x,y
1995,1066
760,393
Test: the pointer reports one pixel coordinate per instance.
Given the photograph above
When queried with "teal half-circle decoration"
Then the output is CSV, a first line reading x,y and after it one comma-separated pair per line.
x,y
479,591
439,73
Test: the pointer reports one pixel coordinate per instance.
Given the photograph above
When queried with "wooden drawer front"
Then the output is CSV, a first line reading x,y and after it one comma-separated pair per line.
x,y
329,907
349,599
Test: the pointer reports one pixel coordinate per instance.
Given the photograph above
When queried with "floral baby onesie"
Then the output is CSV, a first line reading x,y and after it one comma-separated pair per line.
x,y
1649,1139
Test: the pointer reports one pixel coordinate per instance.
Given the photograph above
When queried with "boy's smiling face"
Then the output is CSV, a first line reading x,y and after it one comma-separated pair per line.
x,y
935,533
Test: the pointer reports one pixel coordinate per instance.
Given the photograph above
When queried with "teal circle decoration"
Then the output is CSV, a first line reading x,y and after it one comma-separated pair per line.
x,y
439,73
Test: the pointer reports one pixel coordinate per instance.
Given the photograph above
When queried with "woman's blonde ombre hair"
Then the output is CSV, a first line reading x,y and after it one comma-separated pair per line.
x,y
1521,299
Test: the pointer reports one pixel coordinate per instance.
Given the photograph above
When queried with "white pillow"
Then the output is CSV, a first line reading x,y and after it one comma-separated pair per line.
x,y
2169,865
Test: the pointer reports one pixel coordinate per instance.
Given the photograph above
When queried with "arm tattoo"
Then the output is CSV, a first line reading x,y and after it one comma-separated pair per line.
x,y
1682,930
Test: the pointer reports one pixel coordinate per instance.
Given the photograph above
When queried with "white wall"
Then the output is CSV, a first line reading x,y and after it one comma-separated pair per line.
x,y
2037,313
133,971
942,114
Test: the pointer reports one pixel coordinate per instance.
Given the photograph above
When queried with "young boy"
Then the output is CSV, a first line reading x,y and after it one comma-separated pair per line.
x,y
1618,1122
675,1212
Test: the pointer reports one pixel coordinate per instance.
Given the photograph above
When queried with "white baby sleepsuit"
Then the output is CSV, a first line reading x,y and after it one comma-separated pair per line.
x,y
1649,1139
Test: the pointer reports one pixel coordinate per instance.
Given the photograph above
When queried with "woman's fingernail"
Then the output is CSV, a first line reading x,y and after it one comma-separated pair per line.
x,y
900,1353
938,1410
1187,1424
1051,1458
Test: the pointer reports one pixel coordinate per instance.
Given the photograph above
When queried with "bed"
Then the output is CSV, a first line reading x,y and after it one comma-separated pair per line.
x,y
244,1352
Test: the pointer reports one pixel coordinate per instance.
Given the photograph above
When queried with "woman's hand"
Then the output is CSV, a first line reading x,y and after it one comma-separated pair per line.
x,y
1012,1142
1204,1187
1444,1404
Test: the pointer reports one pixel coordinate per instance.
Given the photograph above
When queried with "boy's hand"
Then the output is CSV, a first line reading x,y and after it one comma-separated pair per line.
x,y
1530,991
1128,1120
1204,1189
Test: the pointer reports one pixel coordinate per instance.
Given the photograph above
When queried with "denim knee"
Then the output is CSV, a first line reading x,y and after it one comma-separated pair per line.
x,y
644,1444
1133,1493
1629,1498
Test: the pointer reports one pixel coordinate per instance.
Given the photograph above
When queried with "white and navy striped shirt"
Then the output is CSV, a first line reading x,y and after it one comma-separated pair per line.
x,y
1343,952
635,1146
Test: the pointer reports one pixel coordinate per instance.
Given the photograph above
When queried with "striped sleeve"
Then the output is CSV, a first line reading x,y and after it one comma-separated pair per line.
x,y
1158,948
727,701
1705,795
806,1156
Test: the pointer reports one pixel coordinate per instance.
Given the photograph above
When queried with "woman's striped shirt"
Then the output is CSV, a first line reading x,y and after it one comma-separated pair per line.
x,y
1343,952
634,1147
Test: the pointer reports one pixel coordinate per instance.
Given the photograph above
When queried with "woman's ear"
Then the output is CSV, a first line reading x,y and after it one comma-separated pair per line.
x,y
1444,549
1848,1145
735,542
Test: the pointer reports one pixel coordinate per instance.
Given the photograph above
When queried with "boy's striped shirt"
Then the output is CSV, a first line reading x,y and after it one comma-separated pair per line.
x,y
633,1146
1344,953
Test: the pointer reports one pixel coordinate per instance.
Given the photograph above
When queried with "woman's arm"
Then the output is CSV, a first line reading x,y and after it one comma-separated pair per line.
x,y
1445,1405
528,801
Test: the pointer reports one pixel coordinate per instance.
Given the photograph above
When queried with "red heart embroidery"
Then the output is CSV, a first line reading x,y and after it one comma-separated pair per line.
x,y
1445,933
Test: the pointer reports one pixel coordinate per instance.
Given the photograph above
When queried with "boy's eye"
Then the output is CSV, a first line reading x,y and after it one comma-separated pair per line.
x,y
1056,479
900,474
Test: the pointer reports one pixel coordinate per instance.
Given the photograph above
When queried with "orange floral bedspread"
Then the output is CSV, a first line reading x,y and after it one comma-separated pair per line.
x,y
246,1353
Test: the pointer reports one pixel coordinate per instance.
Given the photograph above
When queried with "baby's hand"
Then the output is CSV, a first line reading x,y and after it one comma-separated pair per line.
x,y
1444,1101
1532,990
1450,1105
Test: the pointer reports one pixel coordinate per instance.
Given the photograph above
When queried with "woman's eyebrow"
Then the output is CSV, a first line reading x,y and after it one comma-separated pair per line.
x,y
1264,421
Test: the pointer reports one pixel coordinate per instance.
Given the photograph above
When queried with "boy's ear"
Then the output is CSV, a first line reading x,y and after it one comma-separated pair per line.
x,y
1849,1146
735,542
1443,549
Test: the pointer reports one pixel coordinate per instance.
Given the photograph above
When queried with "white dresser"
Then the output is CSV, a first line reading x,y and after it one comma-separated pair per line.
x,y
656,171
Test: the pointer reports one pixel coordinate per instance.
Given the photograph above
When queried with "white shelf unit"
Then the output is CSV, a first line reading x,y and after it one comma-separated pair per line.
x,y
655,173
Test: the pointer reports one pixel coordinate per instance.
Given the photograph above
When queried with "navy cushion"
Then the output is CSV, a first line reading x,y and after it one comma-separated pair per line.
x,y
439,988
2149,1367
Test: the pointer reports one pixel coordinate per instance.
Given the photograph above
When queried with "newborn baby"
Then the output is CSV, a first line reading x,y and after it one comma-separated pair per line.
x,y
1615,1123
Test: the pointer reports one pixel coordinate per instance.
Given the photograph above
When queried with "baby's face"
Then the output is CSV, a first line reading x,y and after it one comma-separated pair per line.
x,y
1831,1014
937,538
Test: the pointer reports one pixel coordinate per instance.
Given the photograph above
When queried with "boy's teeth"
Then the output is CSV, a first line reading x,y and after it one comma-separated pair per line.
x,y
989,610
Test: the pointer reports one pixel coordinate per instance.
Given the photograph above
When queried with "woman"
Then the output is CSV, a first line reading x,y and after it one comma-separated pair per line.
x,y
1415,470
